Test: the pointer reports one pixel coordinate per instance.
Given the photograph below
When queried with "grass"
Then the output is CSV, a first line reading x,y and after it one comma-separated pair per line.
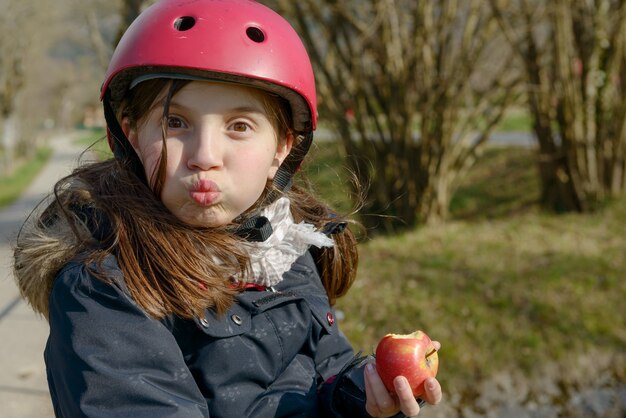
x,y
95,140
327,174
12,186
504,182
516,120
502,285
507,293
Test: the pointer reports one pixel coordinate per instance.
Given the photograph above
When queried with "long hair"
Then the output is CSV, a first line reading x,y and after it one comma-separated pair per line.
x,y
171,267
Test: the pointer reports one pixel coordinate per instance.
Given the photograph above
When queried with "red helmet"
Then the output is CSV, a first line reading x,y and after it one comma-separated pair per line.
x,y
237,41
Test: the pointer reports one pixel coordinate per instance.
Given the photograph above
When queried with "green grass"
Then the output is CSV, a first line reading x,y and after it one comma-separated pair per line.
x,y
504,182
514,292
502,285
516,120
12,186
96,141
327,175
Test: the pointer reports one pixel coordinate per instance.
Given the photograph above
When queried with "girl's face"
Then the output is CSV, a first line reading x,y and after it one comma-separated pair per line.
x,y
221,151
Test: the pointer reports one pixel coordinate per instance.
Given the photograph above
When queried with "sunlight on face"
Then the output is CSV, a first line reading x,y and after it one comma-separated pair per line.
x,y
221,151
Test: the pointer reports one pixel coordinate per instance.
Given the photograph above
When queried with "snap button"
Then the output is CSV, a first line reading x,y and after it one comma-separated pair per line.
x,y
330,318
204,322
236,319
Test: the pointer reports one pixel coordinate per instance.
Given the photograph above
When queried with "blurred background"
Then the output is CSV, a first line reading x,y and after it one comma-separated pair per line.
x,y
484,143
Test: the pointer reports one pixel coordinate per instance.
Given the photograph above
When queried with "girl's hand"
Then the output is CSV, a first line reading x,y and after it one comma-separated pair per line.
x,y
381,403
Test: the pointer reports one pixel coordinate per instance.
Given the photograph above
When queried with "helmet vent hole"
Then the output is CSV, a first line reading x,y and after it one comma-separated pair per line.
x,y
184,23
255,34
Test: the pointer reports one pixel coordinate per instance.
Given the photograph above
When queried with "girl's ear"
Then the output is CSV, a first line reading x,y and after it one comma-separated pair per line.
x,y
131,133
282,151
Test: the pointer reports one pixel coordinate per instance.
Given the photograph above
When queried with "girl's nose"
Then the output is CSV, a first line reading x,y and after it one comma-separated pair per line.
x,y
206,152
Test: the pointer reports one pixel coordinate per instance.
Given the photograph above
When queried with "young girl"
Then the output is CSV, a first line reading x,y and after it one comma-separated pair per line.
x,y
186,277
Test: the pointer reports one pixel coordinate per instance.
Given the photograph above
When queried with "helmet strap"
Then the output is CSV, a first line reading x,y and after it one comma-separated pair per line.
x,y
118,142
283,179
257,228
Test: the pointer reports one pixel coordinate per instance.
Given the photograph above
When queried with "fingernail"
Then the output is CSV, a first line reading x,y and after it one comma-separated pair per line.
x,y
369,368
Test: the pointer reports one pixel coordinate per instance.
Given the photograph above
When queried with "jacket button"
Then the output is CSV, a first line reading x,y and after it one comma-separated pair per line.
x,y
330,318
236,319
204,322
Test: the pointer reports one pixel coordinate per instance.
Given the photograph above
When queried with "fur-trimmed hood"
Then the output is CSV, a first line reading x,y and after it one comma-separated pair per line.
x,y
44,245
47,242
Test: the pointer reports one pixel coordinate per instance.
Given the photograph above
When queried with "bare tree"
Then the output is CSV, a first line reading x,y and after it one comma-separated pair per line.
x,y
54,55
573,55
95,13
14,45
130,10
411,89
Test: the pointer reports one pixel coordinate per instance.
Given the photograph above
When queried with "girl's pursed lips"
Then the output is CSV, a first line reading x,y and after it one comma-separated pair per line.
x,y
204,186
204,192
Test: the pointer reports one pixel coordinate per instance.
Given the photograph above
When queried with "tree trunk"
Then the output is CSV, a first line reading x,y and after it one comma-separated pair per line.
x,y
9,142
576,78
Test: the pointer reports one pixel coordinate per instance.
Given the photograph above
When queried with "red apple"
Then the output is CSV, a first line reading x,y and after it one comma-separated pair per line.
x,y
413,356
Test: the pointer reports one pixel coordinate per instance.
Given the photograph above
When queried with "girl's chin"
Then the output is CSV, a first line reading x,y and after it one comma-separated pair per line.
x,y
202,217
202,224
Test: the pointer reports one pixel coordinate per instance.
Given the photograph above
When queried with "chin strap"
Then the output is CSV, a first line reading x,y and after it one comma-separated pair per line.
x,y
284,176
255,229
258,228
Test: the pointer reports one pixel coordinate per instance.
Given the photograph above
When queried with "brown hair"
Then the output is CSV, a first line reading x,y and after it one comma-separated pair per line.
x,y
171,267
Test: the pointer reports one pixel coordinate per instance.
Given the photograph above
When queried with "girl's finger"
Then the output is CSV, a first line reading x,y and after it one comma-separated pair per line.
x,y
370,400
383,399
433,392
408,404
437,345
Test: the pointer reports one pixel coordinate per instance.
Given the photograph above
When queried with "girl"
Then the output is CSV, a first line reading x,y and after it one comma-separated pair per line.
x,y
186,277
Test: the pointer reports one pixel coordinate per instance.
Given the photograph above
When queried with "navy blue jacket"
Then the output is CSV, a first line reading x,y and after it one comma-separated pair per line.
x,y
273,354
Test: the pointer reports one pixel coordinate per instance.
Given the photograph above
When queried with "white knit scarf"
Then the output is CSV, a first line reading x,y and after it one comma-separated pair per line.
x,y
271,258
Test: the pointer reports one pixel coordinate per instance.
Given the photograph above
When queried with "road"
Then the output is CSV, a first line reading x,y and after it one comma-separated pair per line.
x,y
23,387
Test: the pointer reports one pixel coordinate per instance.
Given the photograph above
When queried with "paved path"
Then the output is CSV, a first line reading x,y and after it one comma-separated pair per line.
x,y
23,387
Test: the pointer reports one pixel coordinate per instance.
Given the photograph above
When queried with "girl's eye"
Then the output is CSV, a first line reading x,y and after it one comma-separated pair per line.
x,y
174,122
240,127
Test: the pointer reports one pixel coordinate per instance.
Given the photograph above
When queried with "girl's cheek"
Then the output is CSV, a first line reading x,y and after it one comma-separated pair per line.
x,y
150,157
